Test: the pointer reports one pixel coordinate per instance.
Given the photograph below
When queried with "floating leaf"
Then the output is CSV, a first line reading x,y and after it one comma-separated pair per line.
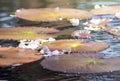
x,y
18,33
13,55
105,10
77,63
51,14
76,45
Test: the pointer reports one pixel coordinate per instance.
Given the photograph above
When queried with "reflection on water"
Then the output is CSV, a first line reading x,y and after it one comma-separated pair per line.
x,y
8,7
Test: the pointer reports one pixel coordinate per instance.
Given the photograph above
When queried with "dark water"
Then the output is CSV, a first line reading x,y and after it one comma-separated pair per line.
x,y
33,71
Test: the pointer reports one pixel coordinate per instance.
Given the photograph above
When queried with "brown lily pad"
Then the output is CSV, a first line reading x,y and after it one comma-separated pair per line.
x,y
76,63
13,55
106,10
18,33
51,14
76,45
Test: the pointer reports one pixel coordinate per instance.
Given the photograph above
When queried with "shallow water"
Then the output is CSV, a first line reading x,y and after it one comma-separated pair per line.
x,y
33,71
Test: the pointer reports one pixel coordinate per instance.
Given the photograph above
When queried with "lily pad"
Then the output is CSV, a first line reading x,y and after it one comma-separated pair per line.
x,y
18,33
14,55
51,14
76,45
76,63
106,10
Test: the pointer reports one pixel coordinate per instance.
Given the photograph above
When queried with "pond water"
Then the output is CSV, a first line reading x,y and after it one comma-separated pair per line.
x,y
33,71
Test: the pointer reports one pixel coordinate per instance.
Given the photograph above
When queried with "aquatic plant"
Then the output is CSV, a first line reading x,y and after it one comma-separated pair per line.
x,y
51,14
15,55
77,63
76,45
64,43
105,10
18,33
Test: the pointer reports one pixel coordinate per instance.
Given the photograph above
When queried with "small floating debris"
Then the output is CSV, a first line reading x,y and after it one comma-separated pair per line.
x,y
74,22
15,55
117,14
99,6
97,24
33,44
85,63
100,21
30,44
81,34
45,51
113,31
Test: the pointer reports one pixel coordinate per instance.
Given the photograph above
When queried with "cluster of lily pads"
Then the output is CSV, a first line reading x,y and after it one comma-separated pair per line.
x,y
75,55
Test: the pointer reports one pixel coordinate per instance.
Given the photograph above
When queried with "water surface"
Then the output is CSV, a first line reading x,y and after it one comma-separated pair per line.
x,y
33,71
